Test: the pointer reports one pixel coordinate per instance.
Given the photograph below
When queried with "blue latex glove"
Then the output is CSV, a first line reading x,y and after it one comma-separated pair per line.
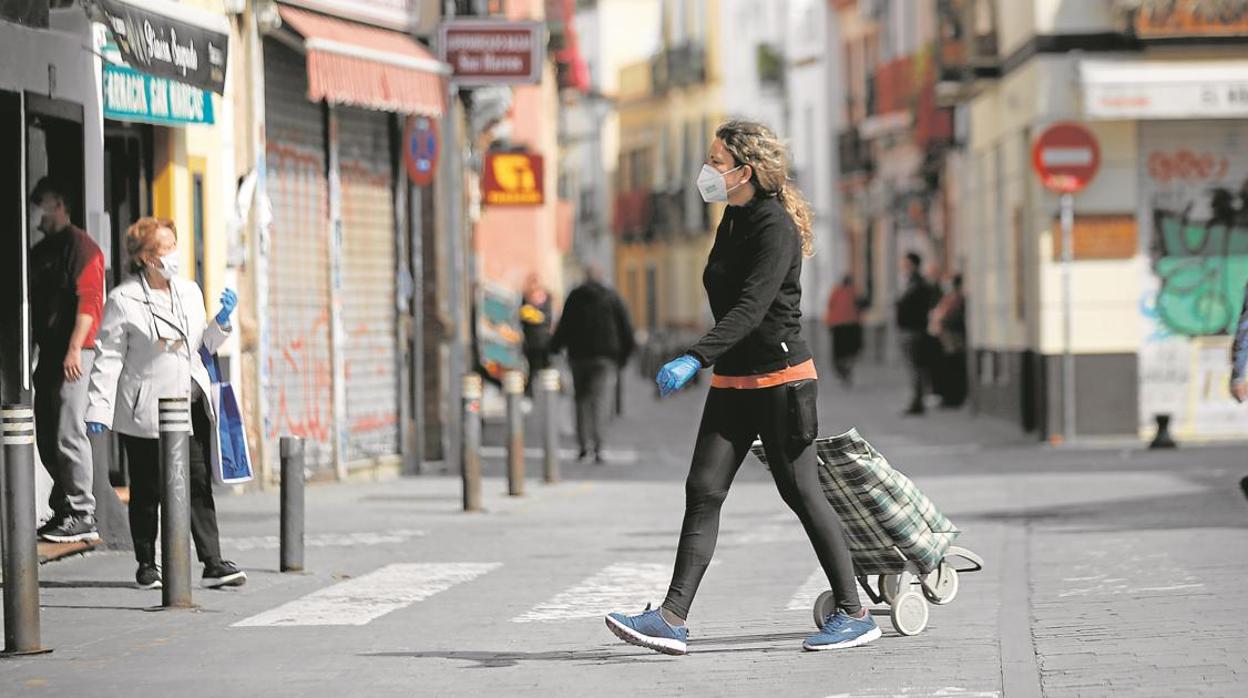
x,y
229,301
95,428
676,373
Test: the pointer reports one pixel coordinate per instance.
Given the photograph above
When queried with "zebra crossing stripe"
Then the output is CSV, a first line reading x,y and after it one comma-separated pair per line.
x,y
364,599
620,587
817,583
804,599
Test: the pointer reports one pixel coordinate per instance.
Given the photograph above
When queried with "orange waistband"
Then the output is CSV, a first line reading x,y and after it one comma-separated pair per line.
x,y
802,371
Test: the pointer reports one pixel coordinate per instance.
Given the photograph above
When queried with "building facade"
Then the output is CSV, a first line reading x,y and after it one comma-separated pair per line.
x,y
668,108
1159,234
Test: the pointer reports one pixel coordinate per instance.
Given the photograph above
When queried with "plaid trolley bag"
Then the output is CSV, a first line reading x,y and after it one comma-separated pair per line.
x,y
894,532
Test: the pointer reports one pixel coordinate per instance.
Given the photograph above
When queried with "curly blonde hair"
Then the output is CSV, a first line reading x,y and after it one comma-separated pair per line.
x,y
141,236
753,144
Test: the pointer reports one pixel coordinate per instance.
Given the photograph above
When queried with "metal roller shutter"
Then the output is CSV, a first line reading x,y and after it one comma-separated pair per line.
x,y
370,347
300,371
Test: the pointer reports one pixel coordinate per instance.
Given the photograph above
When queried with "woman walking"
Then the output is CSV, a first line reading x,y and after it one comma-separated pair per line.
x,y
154,324
763,386
845,325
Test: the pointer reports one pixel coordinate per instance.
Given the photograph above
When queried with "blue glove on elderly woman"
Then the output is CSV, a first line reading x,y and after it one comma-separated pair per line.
x,y
676,374
229,301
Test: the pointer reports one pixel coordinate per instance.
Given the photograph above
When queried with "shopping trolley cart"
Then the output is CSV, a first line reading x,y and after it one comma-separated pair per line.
x,y
895,533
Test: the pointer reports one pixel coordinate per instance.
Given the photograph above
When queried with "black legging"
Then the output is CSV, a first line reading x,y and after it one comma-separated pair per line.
x,y
147,487
731,420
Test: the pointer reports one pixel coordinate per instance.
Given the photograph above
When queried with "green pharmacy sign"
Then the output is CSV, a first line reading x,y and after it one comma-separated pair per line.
x,y
133,96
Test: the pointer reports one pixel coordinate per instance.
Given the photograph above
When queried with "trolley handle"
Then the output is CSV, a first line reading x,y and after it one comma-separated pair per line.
x,y
977,562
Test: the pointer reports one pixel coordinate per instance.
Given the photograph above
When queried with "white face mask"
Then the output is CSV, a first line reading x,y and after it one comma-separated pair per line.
x,y
169,265
713,185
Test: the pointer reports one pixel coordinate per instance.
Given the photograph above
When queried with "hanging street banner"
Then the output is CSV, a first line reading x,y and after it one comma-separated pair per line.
x,y
133,96
493,52
170,40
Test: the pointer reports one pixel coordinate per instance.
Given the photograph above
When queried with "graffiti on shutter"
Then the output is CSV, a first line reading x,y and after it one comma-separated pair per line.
x,y
368,286
300,375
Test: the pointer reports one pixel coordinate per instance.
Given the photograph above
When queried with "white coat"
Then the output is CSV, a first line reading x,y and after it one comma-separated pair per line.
x,y
133,370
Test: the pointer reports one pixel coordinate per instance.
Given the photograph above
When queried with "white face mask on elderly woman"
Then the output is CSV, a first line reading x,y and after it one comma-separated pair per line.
x,y
169,264
713,186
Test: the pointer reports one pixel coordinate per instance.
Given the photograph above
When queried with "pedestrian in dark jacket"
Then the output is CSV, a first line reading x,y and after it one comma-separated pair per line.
x,y
598,336
764,386
67,303
535,321
913,311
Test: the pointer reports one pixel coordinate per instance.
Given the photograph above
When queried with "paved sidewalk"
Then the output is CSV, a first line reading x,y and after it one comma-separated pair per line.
x,y
1110,572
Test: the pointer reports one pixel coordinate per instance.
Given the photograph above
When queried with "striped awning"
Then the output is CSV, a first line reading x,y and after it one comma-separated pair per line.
x,y
368,67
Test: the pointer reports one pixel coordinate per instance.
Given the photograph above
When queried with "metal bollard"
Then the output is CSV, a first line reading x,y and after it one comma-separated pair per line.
x,y
292,504
175,505
513,388
21,554
1163,439
470,444
548,385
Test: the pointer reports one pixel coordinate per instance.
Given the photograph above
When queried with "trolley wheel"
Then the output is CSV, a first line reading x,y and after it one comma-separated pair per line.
x,y
890,586
910,613
825,606
942,585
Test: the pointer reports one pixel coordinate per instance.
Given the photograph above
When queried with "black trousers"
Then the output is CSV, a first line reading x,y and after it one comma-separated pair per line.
x,y
846,344
147,486
915,347
730,422
589,384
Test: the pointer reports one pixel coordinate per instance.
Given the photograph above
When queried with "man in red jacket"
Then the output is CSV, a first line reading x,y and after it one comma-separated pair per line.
x,y
67,301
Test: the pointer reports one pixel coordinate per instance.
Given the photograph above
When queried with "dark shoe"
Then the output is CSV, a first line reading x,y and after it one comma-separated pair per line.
x,y
51,524
582,456
148,576
223,573
72,530
599,459
914,411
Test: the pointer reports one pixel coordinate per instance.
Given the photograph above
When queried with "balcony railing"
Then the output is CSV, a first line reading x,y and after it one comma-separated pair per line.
x,y
678,66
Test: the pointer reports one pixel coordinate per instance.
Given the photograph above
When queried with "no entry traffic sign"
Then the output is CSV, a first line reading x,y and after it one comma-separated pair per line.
x,y
420,149
1066,156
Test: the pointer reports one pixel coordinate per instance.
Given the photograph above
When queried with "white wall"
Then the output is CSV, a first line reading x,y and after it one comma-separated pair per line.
x,y
746,24
812,128
1005,118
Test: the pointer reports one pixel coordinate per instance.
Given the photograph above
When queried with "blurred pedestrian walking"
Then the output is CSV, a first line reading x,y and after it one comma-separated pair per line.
x,y
948,325
535,321
154,324
1239,355
844,322
598,335
764,386
913,311
67,301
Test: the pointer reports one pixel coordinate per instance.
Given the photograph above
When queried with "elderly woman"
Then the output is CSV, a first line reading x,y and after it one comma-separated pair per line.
x,y
154,324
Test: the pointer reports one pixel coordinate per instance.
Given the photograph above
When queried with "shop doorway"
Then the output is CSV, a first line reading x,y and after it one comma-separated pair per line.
x,y
127,185
54,149
12,222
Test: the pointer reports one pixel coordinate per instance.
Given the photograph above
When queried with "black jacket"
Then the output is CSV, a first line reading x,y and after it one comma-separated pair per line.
x,y
916,303
753,281
594,325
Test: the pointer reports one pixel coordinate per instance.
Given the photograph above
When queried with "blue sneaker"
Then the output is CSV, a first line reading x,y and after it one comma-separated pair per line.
x,y
649,630
842,630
